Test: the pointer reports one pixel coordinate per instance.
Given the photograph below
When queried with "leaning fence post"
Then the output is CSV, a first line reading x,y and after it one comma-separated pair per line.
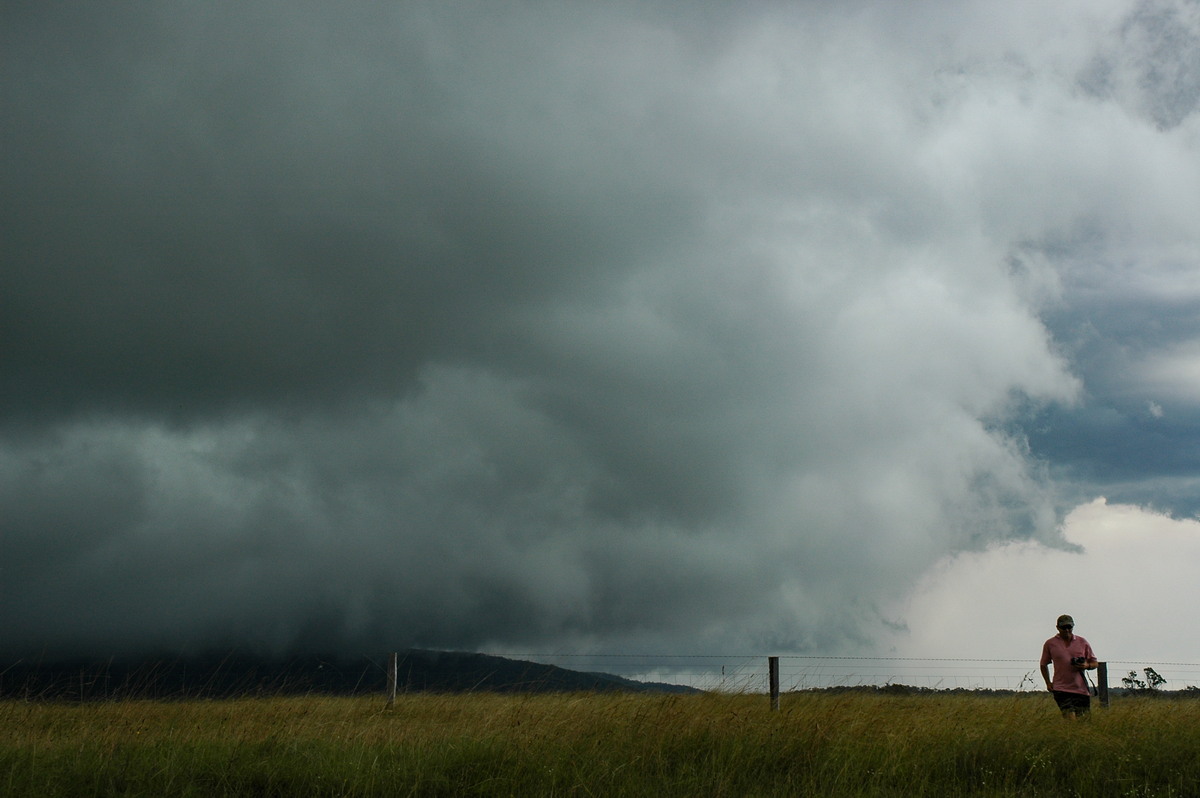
x,y
773,678
1102,683
391,680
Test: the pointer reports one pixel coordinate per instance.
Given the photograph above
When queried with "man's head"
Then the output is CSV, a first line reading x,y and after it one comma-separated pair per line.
x,y
1066,626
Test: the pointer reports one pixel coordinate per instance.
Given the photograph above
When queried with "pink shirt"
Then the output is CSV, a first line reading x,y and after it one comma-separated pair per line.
x,y
1067,678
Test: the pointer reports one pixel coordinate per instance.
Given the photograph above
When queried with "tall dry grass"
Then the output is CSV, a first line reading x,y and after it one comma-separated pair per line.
x,y
600,744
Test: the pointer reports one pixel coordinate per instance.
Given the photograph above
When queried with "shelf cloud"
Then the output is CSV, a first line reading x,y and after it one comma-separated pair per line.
x,y
615,326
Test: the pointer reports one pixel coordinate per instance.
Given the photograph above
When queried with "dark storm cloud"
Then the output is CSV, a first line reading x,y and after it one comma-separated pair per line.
x,y
217,206
512,325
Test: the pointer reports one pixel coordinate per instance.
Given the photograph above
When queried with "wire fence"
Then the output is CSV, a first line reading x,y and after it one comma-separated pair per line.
x,y
455,672
748,672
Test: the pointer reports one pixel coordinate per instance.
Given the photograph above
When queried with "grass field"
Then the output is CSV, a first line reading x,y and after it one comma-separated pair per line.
x,y
600,744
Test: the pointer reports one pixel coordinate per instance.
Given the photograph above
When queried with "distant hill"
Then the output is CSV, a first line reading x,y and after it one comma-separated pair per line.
x,y
233,675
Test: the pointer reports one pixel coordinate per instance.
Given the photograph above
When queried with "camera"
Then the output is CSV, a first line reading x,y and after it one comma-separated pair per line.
x,y
1078,662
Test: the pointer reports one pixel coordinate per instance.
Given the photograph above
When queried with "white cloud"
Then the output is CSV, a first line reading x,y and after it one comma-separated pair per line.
x,y
1130,585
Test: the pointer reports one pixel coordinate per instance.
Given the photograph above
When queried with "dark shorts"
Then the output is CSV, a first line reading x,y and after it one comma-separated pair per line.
x,y
1073,702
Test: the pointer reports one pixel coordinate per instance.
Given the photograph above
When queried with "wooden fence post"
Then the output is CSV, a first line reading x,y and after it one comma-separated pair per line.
x,y
773,671
1102,683
391,680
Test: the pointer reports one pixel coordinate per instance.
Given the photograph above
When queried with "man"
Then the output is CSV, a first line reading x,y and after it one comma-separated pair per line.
x,y
1071,655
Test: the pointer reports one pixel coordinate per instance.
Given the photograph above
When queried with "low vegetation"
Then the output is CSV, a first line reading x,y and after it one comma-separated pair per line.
x,y
484,744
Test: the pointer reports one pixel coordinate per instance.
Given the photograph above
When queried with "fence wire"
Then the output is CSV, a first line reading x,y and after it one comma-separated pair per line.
x,y
748,672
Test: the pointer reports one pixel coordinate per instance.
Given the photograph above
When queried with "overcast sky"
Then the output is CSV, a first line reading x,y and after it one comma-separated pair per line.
x,y
614,327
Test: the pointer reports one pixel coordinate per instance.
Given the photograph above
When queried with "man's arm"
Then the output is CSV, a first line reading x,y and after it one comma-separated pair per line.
x,y
1046,671
1092,662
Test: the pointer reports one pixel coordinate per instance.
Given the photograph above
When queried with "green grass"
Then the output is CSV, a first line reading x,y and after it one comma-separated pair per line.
x,y
600,744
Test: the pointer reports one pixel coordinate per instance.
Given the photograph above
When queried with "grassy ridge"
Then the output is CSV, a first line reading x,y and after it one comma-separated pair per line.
x,y
600,744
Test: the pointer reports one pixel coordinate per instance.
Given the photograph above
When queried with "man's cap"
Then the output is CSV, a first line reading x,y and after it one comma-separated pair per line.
x,y
1065,619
